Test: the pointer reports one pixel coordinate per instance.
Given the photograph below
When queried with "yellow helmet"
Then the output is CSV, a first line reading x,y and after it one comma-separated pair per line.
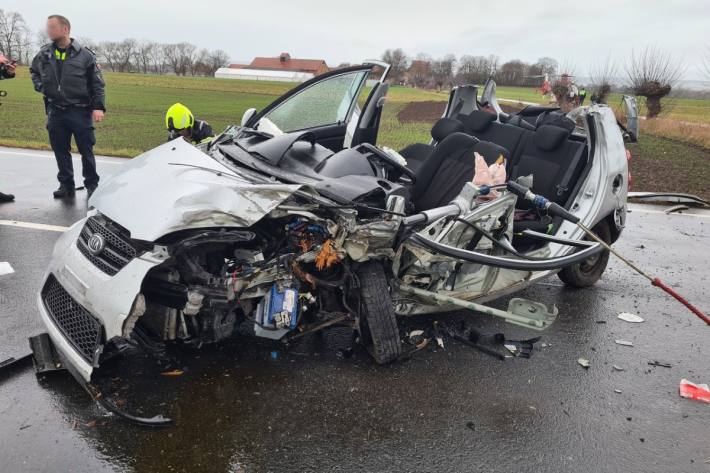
x,y
179,117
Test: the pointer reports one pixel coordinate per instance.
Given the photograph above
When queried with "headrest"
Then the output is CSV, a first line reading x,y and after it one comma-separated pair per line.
x,y
549,137
479,120
445,127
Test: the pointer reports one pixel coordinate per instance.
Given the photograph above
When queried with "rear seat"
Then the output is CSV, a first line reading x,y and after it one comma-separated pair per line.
x,y
555,161
483,125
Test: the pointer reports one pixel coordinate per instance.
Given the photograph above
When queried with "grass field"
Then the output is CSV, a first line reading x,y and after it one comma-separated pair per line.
x,y
136,105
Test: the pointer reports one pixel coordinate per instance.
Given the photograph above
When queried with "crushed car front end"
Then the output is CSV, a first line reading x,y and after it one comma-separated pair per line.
x,y
86,298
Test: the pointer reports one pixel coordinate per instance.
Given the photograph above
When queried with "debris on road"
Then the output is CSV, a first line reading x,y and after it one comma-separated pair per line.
x,y
696,392
584,363
173,373
659,363
13,362
617,368
5,268
617,391
626,343
629,317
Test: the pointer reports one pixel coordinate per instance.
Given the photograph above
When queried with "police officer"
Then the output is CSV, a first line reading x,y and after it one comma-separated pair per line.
x,y
180,122
7,71
70,80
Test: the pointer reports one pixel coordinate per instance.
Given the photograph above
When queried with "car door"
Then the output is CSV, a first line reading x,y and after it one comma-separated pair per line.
x,y
323,105
631,113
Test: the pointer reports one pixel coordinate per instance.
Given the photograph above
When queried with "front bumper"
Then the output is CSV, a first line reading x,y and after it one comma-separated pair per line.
x,y
107,298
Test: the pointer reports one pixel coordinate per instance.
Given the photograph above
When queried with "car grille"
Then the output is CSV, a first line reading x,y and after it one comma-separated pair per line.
x,y
118,250
80,328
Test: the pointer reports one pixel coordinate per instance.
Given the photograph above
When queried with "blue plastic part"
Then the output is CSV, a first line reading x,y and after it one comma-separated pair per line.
x,y
281,302
540,202
484,190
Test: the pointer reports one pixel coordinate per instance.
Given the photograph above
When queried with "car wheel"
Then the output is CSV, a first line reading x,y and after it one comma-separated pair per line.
x,y
378,322
589,271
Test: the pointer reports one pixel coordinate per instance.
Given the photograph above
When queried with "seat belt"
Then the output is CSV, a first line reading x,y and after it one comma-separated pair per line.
x,y
563,186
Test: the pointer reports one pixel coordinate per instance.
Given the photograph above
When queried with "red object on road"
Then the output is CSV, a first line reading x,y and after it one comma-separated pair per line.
x,y
658,283
696,392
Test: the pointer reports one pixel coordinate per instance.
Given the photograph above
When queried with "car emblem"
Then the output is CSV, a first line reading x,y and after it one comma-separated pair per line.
x,y
96,244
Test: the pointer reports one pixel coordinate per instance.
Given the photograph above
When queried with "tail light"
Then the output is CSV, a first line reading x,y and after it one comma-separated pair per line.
x,y
628,165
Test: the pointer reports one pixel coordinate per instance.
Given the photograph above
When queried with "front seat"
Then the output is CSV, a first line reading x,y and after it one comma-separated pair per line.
x,y
451,164
417,153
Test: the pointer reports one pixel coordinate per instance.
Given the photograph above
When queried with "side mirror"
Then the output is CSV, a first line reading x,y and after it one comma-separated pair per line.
x,y
248,114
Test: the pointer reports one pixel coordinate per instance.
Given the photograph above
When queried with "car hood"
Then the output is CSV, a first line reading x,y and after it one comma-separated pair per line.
x,y
161,191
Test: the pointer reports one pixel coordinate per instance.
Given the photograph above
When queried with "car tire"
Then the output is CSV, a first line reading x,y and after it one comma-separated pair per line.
x,y
588,272
378,323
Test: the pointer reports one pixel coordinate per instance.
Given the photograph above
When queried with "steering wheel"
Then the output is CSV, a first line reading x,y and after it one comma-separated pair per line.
x,y
389,162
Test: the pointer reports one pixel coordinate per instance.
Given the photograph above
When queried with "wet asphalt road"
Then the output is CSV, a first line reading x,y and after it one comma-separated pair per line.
x,y
456,409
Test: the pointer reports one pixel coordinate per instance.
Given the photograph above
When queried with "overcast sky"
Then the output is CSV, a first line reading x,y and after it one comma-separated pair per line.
x,y
580,33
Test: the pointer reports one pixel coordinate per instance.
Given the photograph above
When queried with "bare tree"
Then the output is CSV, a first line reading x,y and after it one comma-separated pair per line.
x,y
180,57
198,65
547,66
398,61
602,76
513,72
157,59
125,52
442,70
41,38
107,53
652,74
475,69
706,63
171,56
14,35
216,59
144,54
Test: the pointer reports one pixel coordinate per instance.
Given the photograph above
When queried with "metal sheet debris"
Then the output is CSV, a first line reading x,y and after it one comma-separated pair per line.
x,y
626,343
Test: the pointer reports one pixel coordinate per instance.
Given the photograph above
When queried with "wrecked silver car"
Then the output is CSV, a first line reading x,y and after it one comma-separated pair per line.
x,y
295,221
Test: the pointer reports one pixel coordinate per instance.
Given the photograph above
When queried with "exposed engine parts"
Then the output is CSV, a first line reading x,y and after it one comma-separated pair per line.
x,y
215,280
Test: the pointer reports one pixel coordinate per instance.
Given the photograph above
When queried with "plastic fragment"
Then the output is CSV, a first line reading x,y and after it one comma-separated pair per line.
x,y
626,343
629,317
5,268
696,392
173,373
617,391
617,368
511,348
584,363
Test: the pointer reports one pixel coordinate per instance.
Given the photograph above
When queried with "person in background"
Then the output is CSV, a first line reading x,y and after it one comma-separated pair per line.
x,y
69,77
7,71
180,122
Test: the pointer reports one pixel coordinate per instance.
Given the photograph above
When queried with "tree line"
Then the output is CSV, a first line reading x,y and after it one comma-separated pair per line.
x,y
130,55
427,72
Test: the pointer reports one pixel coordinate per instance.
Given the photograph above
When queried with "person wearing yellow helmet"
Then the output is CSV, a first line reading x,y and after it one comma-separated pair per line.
x,y
180,122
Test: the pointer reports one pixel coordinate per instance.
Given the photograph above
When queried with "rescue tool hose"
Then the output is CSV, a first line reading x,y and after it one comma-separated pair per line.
x,y
558,211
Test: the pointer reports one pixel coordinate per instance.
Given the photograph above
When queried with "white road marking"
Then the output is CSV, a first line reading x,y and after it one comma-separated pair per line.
x,y
33,226
42,155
